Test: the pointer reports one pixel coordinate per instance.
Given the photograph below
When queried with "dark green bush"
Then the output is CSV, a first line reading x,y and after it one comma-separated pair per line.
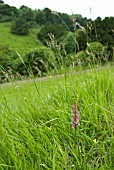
x,y
56,30
40,60
8,60
20,27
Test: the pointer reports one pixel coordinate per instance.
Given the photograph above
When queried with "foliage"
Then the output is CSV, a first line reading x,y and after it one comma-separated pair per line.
x,y
20,27
80,59
1,2
103,31
44,16
68,42
77,18
28,15
39,60
81,39
97,51
54,29
7,13
9,60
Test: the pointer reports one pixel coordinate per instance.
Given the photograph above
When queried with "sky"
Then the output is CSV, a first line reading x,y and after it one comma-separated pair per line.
x,y
87,8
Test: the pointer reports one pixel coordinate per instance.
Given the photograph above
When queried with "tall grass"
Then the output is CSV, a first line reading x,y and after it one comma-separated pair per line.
x,y
35,123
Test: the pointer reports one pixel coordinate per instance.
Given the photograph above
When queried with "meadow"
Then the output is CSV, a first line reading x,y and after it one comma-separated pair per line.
x,y
16,42
35,122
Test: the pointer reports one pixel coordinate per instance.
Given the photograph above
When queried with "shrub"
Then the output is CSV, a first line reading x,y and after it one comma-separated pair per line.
x,y
80,58
39,60
97,52
69,42
57,30
20,27
9,60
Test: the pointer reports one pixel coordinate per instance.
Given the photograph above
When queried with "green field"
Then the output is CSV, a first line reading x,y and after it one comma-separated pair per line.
x,y
35,123
19,43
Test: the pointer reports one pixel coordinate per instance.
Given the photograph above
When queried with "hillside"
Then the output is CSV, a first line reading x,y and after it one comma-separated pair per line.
x,y
17,42
50,41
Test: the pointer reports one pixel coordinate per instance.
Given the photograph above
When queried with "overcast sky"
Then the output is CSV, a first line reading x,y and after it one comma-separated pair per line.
x,y
100,8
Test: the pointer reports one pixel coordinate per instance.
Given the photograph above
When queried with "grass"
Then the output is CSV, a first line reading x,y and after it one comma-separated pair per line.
x,y
35,129
17,42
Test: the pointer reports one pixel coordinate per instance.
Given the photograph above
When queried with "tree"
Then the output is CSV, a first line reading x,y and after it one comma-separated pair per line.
x,y
1,2
5,12
20,27
8,13
26,13
15,13
69,42
81,39
56,30
103,32
45,16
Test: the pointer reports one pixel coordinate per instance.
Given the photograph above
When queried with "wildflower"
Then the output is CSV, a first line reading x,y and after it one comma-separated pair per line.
x,y
95,141
76,118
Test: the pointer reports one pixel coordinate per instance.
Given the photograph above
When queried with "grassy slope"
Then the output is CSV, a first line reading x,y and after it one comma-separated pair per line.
x,y
17,42
35,131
